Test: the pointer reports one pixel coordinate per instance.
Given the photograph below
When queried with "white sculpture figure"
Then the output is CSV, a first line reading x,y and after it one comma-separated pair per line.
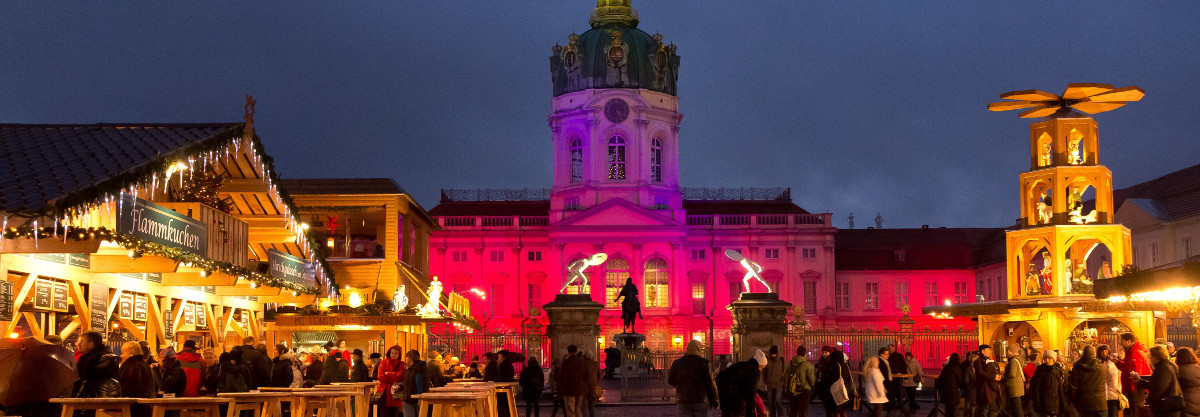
x,y
1045,212
1067,284
399,299
576,269
752,269
1075,203
430,309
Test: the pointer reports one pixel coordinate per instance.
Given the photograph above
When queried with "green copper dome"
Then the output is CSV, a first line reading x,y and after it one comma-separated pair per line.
x,y
614,53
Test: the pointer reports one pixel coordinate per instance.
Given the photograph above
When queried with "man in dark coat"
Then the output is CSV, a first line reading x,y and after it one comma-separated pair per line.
x,y
896,366
736,386
612,360
256,362
987,383
572,381
336,370
174,379
695,390
506,370
416,381
1046,388
96,368
281,368
358,369
1086,385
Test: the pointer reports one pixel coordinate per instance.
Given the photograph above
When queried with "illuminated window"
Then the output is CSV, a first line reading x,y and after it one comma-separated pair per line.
x,y
901,295
872,293
655,279
616,158
771,253
810,297
616,273
698,298
656,160
576,161
960,293
841,295
931,294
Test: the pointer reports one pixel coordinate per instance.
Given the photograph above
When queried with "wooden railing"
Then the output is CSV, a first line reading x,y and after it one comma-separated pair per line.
x,y
228,236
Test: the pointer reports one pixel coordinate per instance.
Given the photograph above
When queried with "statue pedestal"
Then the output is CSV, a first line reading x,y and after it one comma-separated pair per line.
x,y
629,340
574,320
759,322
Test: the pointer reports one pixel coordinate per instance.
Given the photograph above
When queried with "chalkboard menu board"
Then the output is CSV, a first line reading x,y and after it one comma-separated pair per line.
x,y
140,303
201,316
169,322
43,296
6,301
126,306
61,298
98,298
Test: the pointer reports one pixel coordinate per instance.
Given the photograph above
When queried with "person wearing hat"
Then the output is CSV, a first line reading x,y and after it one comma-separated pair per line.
x,y
505,366
695,391
358,369
1046,388
987,383
736,387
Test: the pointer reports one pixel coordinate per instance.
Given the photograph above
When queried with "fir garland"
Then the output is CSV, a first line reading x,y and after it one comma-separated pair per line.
x,y
142,247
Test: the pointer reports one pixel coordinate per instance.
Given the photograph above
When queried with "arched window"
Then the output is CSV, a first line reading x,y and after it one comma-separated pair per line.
x,y
576,161
656,160
616,272
616,158
655,278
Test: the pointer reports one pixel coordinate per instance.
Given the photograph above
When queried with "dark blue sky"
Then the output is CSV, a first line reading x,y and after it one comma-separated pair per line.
x,y
860,107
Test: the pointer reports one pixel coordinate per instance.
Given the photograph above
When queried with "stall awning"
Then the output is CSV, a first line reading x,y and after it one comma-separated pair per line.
x,y
1180,275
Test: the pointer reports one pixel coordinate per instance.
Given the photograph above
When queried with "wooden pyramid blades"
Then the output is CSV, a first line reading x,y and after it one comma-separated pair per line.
x,y
1089,98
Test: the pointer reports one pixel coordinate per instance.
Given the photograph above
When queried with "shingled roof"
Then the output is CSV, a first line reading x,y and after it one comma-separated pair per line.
x,y
340,186
1177,195
63,164
932,248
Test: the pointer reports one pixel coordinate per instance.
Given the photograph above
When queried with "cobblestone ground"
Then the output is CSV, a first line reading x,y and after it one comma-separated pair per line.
x,y
669,411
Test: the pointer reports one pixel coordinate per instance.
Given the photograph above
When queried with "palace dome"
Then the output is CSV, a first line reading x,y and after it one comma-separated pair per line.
x,y
614,53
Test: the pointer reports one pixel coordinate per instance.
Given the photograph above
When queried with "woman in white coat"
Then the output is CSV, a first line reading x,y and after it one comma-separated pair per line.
x,y
873,391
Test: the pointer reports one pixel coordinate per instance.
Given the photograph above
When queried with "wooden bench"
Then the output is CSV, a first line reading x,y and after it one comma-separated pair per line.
x,y
264,404
209,406
70,405
362,397
454,404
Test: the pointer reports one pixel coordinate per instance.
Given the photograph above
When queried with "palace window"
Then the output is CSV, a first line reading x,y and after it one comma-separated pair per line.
x,y
535,297
899,256
960,293
1153,255
656,160
571,203
698,298
1187,247
535,256
771,253
810,297
698,254
459,256
616,158
841,295
497,298
872,291
576,161
809,253
616,272
655,281
497,256
931,294
901,295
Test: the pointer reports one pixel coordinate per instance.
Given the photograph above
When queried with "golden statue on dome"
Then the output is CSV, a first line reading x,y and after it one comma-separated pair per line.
x,y
1089,98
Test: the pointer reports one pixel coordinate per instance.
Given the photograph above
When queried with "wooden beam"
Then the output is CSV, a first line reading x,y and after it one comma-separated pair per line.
x,y
245,290
254,330
49,245
264,220
237,326
226,321
82,311
156,327
271,235
132,328
213,322
244,186
74,324
112,302
178,314
17,302
116,264
286,297
193,279
34,326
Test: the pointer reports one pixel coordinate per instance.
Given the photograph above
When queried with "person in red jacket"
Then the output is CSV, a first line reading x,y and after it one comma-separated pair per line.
x,y
1137,361
391,371
193,366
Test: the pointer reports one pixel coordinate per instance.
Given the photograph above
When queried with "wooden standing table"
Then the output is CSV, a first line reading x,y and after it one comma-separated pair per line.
x,y
209,406
505,395
264,404
493,408
453,404
362,399
69,405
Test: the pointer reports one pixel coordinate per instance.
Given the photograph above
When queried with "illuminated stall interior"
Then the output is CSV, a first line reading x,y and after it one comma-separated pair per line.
x,y
155,232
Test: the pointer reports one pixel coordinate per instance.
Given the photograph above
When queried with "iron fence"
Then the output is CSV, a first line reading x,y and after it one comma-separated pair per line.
x,y
529,340
643,375
929,346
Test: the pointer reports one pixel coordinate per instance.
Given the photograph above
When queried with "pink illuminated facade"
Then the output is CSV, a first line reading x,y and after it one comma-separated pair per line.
x,y
615,125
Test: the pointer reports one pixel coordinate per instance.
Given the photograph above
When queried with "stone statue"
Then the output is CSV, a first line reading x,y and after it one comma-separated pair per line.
x,y
631,307
752,269
878,221
576,270
851,220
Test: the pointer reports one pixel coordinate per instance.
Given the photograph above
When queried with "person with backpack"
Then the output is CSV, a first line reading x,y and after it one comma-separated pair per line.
x,y
281,368
257,363
695,390
228,375
772,378
416,381
799,381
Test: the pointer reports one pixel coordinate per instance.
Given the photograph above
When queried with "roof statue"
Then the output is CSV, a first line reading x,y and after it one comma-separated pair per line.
x,y
576,270
1085,97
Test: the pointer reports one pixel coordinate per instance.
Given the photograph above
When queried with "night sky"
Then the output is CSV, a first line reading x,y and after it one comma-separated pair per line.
x,y
861,107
